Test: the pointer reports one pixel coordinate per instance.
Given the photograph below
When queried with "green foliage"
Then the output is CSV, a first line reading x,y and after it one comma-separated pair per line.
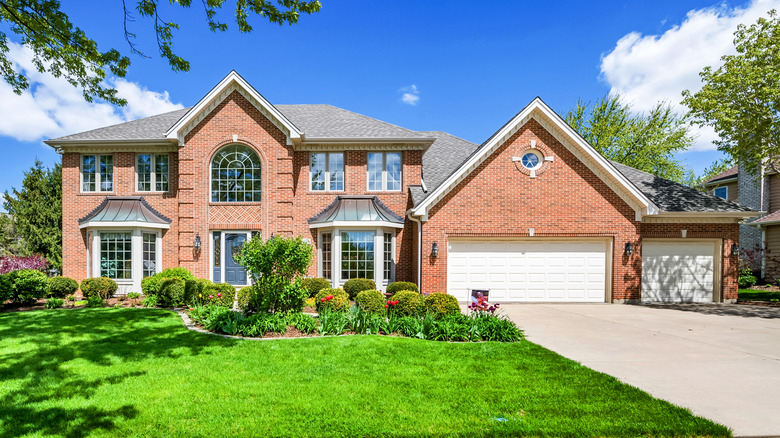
x,y
647,142
149,301
488,327
54,303
6,292
333,322
59,287
758,295
36,209
219,294
245,297
133,295
303,322
171,291
151,285
335,300
193,290
99,286
410,303
746,278
277,266
26,285
371,301
441,304
740,99
259,324
718,166
356,285
95,301
363,322
397,286
11,242
314,285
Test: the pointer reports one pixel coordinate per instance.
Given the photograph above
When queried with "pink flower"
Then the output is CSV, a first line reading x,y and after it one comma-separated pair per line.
x,y
219,295
211,296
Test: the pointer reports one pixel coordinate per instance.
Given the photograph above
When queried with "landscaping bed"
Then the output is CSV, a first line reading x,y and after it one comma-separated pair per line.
x,y
765,295
140,372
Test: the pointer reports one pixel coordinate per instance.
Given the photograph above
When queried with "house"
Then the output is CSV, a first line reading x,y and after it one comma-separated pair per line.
x,y
761,193
532,214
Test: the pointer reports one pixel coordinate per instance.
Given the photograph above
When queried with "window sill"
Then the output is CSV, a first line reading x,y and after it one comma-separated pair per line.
x,y
388,192
97,193
237,203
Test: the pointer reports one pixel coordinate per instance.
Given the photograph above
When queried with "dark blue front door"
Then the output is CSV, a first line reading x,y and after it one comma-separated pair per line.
x,y
234,272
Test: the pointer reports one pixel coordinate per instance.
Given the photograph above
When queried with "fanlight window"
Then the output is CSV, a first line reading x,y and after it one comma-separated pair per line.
x,y
235,175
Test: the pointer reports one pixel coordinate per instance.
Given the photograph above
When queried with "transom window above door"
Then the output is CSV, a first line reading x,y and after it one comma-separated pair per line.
x,y
326,171
235,175
384,171
152,171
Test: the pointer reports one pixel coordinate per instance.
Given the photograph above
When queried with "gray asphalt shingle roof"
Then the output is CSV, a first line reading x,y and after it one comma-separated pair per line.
x,y
328,121
148,128
443,157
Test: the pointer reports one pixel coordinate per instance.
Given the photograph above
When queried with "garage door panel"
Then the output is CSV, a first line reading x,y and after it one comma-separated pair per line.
x,y
678,271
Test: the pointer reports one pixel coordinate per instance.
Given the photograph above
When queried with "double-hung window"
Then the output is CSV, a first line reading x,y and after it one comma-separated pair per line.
x,y
152,170
97,173
327,171
384,171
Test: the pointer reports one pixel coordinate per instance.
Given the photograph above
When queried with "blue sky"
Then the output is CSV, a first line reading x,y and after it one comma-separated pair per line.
x,y
463,67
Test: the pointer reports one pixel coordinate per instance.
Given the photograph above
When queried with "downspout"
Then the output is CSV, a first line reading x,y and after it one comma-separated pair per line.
x,y
419,250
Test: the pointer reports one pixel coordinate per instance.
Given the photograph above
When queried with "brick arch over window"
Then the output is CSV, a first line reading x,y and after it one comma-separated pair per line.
x,y
236,175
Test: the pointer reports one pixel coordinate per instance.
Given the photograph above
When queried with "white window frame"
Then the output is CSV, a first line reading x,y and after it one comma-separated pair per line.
x,y
715,191
133,284
335,261
384,172
327,172
153,173
539,157
222,254
98,175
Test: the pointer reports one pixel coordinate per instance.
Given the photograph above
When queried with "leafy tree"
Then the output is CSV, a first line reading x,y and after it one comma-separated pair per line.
x,y
713,169
741,99
647,142
11,243
64,50
36,211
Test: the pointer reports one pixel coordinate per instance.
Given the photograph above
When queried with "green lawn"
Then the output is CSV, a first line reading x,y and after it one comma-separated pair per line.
x,y
139,372
758,295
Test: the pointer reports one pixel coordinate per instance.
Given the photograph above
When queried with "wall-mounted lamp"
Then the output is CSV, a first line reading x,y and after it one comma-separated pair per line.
x,y
272,236
629,248
434,250
734,249
196,245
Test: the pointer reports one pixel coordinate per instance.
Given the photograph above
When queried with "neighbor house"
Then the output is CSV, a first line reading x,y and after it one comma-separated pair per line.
x,y
532,214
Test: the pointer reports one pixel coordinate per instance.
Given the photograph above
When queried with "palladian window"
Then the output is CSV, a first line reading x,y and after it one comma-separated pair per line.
x,y
235,175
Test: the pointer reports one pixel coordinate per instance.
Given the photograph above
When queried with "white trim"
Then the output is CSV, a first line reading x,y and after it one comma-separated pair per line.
x,y
721,181
540,112
153,173
128,224
98,175
222,266
726,188
327,172
384,172
233,82
356,224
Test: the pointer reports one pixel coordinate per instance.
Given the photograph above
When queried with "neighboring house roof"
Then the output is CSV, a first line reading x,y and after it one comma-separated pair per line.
x,y
356,210
727,174
670,196
124,210
770,219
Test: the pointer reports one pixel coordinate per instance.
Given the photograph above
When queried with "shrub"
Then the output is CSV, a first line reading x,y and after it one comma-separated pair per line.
x,y
170,291
14,263
259,324
301,321
5,288
100,286
27,285
409,303
398,286
314,285
60,287
335,300
363,322
245,296
440,305
277,265
95,301
54,303
356,285
133,295
149,301
219,294
193,290
488,327
151,285
371,301
746,278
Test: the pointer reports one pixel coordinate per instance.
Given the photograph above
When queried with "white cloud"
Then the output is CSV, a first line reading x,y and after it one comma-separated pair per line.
x,y
51,107
652,68
411,95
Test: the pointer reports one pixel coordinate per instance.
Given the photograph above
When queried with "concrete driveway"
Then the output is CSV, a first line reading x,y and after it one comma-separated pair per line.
x,y
720,361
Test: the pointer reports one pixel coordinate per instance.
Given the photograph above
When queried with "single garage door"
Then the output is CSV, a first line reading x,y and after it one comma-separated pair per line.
x,y
529,270
678,271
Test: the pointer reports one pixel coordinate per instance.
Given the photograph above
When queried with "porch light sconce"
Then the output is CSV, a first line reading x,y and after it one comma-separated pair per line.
x,y
435,250
196,245
272,236
629,248
734,249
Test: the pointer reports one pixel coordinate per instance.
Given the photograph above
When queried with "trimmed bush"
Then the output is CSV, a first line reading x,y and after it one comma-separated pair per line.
x,y
314,285
26,285
5,288
193,290
170,291
95,301
410,303
398,286
371,301
440,305
338,302
102,287
356,285
60,287
151,285
245,295
219,294
746,278
55,303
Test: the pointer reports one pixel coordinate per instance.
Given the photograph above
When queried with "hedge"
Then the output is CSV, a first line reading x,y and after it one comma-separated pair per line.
x,y
398,286
356,285
333,299
170,291
371,301
102,287
409,303
314,285
60,287
440,305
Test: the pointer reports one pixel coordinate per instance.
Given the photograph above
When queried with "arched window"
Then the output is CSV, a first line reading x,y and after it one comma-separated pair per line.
x,y
235,175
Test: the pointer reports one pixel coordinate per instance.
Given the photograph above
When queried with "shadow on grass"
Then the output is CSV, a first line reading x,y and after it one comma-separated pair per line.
x,y
37,350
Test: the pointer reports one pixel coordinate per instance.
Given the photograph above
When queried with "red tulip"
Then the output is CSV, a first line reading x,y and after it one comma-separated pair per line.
x,y
385,306
219,295
329,297
322,300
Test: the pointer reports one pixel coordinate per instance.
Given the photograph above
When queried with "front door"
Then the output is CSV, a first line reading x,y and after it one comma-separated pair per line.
x,y
234,272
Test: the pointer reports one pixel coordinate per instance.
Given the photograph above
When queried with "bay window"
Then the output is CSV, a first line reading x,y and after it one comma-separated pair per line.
x,y
357,254
116,255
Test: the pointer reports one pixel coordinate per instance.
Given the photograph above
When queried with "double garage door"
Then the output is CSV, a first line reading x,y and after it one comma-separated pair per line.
x,y
577,270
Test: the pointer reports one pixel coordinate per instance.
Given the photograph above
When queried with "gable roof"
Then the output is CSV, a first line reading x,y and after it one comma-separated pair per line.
x,y
727,174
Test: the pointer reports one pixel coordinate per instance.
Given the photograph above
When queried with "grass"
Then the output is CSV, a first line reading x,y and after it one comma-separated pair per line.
x,y
139,372
758,295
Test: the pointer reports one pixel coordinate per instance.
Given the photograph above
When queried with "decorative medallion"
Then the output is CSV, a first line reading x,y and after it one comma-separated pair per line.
x,y
533,160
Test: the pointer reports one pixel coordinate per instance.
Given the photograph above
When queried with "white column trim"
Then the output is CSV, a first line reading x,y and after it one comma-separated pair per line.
x,y
95,271
137,253
379,256
336,258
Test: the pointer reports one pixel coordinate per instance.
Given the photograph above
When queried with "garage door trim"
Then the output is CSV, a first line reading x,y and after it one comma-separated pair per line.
x,y
717,268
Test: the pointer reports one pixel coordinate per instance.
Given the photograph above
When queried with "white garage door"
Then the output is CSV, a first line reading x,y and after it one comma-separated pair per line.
x,y
680,271
528,270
